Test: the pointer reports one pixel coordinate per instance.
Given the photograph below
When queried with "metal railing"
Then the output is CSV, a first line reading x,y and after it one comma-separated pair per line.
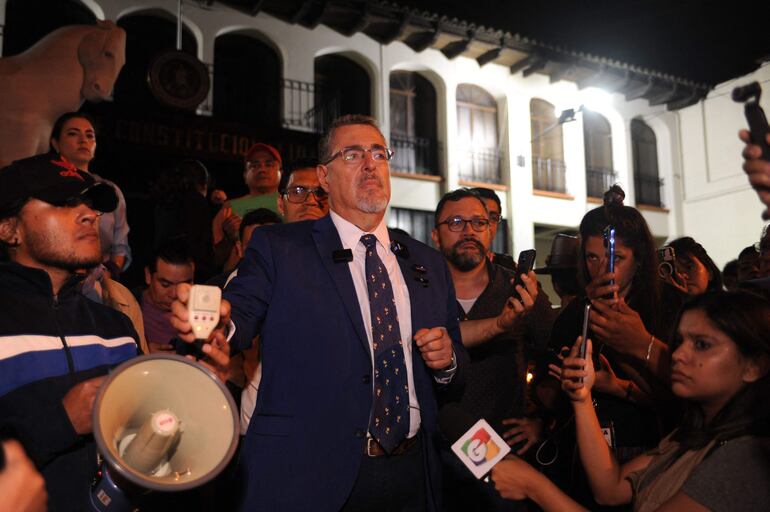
x,y
414,155
598,181
306,107
648,190
549,174
481,164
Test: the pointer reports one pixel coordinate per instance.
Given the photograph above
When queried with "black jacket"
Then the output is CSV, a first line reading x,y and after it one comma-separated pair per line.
x,y
48,345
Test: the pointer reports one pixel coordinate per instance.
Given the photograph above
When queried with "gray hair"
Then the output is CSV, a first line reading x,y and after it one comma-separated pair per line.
x,y
324,145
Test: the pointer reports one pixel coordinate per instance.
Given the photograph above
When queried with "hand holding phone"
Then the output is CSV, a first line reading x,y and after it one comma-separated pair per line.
x,y
524,266
584,333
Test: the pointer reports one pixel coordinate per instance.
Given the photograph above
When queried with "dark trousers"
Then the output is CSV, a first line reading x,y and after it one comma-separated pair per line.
x,y
390,483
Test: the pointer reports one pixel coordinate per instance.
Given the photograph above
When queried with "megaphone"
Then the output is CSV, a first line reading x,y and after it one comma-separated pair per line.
x,y
161,423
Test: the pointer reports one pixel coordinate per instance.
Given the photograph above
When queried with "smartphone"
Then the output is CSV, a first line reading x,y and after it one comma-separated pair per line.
x,y
584,334
609,246
666,262
524,266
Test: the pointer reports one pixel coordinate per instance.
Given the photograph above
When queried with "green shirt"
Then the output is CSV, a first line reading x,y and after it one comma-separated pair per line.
x,y
243,205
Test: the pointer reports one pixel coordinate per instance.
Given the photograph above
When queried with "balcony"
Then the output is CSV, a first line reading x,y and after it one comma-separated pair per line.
x,y
648,190
549,174
414,155
306,107
481,165
598,181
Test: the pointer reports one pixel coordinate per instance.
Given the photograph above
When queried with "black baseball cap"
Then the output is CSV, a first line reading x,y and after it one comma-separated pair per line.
x,y
55,180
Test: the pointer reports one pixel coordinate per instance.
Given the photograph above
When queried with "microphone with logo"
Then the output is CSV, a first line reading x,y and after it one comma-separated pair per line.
x,y
475,443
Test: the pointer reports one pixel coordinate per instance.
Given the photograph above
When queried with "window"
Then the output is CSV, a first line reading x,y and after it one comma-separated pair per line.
x,y
413,124
477,135
600,175
341,87
644,148
247,74
418,223
548,169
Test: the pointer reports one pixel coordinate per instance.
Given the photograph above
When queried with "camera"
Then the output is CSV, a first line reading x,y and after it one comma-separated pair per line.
x,y
666,262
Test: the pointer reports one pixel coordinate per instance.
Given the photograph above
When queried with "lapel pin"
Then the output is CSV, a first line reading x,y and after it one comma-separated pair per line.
x,y
399,249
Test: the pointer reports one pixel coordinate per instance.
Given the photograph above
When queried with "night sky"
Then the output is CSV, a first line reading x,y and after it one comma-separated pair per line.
x,y
707,41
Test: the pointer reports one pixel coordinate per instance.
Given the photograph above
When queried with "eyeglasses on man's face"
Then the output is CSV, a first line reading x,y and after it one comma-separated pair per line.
x,y
495,217
354,155
457,223
299,194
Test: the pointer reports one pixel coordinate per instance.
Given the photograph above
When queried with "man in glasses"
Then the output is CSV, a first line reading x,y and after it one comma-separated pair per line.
x,y
301,195
495,208
495,329
358,331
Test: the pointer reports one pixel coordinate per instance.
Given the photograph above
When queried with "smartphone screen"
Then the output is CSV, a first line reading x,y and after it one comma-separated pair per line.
x,y
609,245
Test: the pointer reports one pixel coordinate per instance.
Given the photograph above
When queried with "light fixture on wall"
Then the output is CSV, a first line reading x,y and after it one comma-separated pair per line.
x,y
566,116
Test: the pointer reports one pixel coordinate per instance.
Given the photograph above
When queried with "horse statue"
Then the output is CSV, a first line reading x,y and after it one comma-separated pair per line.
x,y
68,66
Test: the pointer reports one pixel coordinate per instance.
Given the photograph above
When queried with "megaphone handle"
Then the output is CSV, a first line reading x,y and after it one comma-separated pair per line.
x,y
106,496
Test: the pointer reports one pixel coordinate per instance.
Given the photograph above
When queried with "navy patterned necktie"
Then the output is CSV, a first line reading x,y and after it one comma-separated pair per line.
x,y
390,418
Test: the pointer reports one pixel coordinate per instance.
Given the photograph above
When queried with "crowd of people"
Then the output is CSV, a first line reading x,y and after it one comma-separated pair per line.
x,y
352,349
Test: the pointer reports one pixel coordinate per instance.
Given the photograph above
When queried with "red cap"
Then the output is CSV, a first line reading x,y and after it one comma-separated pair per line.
x,y
267,148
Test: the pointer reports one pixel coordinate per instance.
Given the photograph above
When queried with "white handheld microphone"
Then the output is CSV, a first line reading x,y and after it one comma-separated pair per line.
x,y
479,447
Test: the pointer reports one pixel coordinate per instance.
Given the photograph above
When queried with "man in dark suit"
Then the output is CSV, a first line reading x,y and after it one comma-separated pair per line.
x,y
359,330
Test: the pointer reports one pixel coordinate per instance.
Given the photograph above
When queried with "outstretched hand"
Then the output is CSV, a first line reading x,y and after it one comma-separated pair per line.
x,y
216,348
577,374
515,309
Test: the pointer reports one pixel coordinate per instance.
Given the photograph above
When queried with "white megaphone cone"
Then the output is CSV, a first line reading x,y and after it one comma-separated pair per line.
x,y
161,423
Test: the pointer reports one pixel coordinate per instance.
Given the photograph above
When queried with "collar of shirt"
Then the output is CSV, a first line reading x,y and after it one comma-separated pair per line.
x,y
350,234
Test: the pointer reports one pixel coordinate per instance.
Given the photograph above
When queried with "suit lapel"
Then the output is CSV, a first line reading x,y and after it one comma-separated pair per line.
x,y
327,241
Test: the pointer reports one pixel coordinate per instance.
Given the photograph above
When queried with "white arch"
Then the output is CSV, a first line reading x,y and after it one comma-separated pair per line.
x,y
371,68
260,36
165,13
428,73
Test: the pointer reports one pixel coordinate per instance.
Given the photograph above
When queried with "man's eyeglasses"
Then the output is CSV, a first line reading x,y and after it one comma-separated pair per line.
x,y
457,223
299,194
495,217
354,155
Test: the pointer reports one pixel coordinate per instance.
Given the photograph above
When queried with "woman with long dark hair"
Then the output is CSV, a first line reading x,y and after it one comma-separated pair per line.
x,y
718,457
74,137
632,315
695,270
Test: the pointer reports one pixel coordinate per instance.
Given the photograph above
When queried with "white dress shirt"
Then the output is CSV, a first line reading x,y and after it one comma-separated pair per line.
x,y
350,235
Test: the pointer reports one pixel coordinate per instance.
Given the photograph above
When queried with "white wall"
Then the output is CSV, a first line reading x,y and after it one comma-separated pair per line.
x,y
719,209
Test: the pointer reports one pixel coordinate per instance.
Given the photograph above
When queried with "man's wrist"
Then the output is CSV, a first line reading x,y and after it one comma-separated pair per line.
x,y
445,375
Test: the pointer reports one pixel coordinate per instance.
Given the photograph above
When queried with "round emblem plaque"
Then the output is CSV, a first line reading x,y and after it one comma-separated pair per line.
x,y
178,79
